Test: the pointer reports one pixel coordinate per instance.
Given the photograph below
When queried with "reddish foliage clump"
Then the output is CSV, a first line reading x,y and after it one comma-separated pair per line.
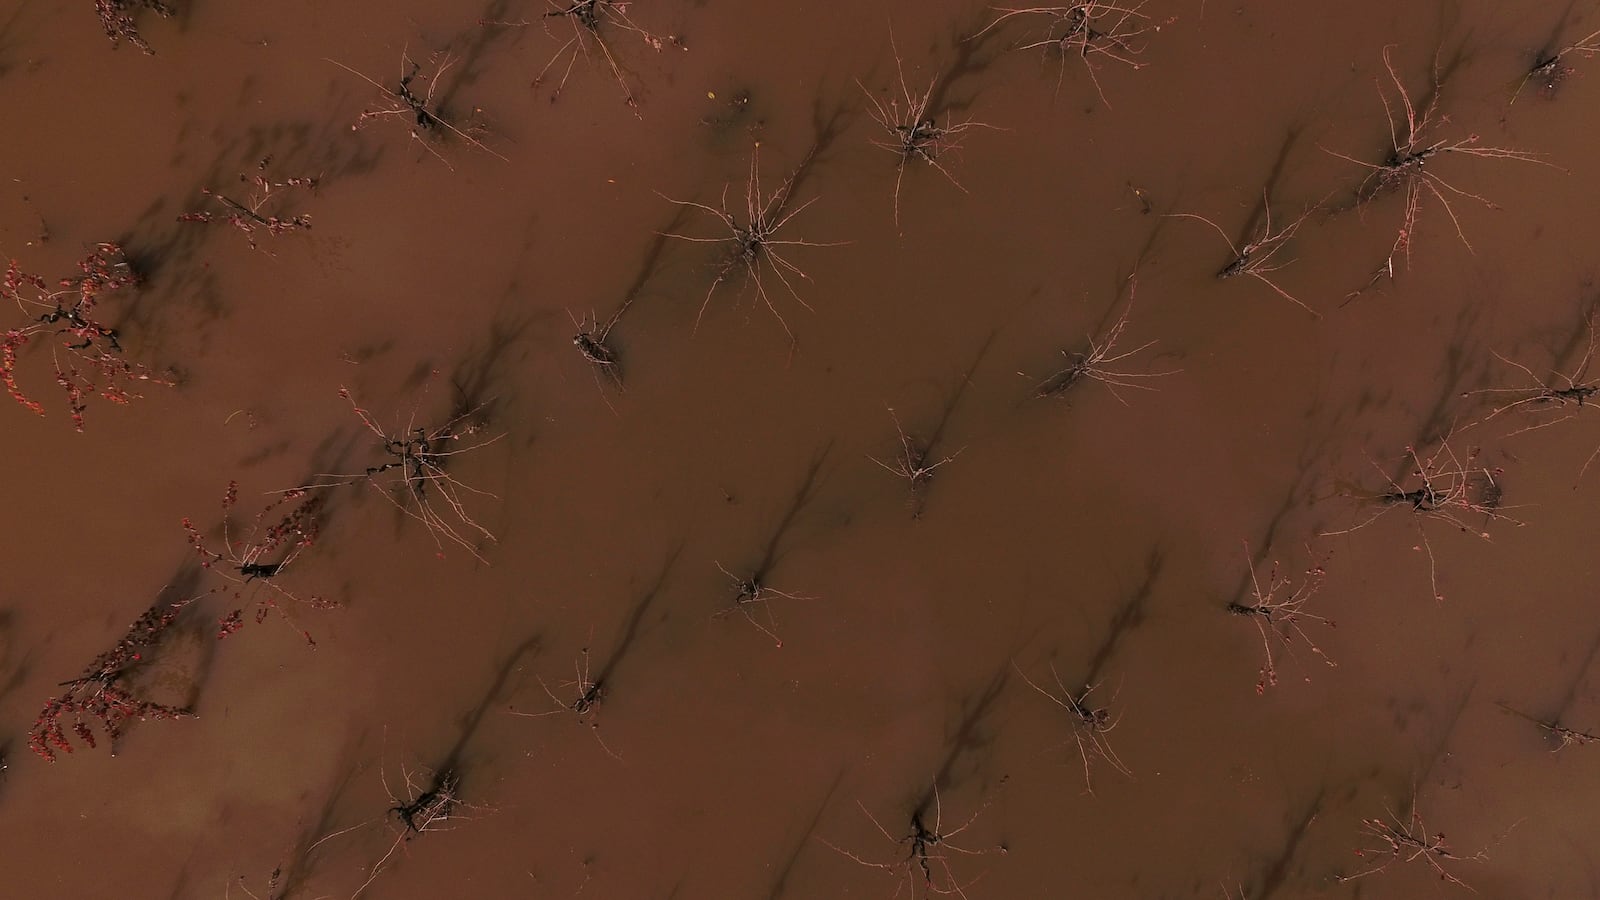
x,y
116,17
262,554
90,360
251,214
101,694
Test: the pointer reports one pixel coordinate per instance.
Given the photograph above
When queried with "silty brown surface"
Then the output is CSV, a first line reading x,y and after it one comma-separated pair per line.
x,y
907,686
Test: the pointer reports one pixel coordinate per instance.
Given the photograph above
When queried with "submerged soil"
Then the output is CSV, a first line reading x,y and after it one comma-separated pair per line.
x,y
692,620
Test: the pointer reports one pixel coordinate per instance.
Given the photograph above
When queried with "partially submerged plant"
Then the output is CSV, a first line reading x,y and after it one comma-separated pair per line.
x,y
103,694
116,17
1090,725
1558,398
1549,70
1278,610
1093,33
752,245
1256,256
411,101
590,339
1405,839
924,861
751,590
590,685
253,213
915,134
1563,735
593,339
1408,168
588,693
589,21
254,560
415,475
1101,361
914,463
432,802
427,808
91,360
1445,487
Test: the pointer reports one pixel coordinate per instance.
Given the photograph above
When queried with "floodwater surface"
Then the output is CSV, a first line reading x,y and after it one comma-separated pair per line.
x,y
1115,451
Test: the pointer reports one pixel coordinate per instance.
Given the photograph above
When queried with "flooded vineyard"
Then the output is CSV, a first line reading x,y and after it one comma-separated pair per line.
x,y
687,449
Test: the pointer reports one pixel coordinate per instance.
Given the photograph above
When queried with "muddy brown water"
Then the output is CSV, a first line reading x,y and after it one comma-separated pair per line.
x,y
1100,535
